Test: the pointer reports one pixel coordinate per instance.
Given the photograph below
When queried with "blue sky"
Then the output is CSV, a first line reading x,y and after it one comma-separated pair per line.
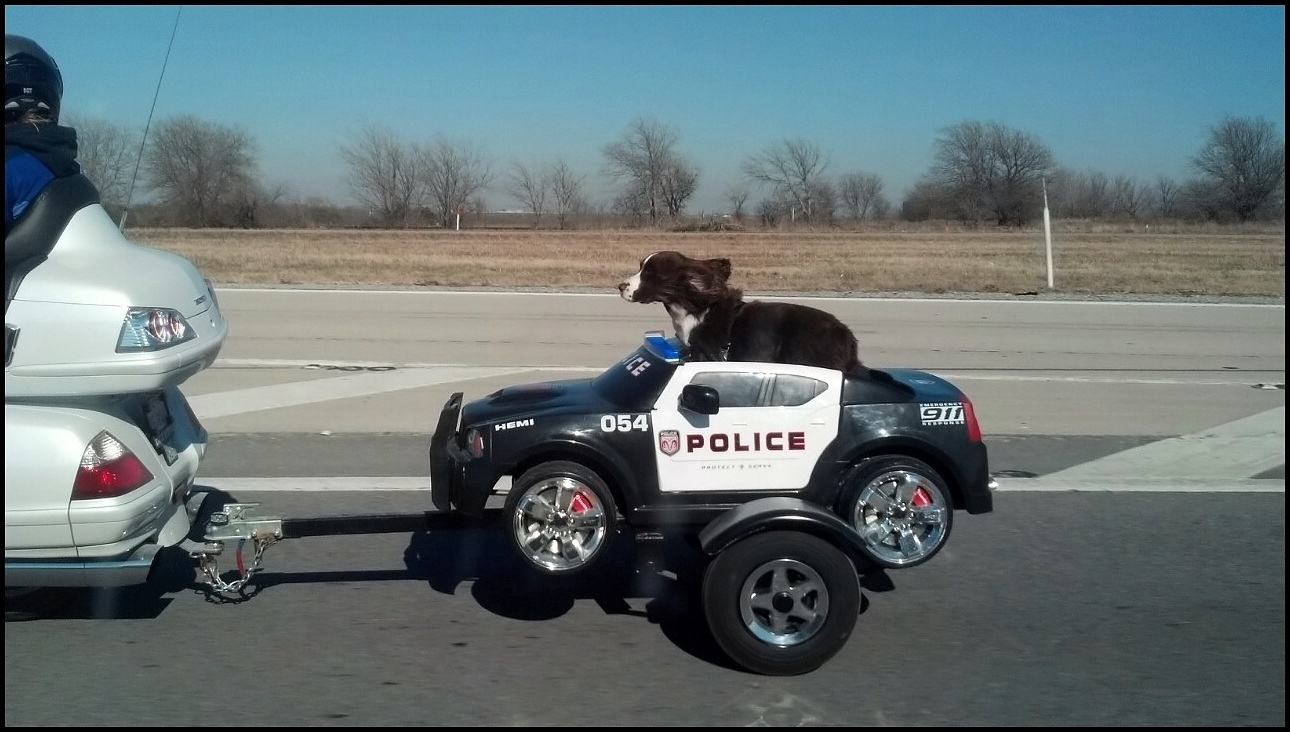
x,y
1121,90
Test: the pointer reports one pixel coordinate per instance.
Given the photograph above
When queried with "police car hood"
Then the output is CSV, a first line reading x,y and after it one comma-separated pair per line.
x,y
545,399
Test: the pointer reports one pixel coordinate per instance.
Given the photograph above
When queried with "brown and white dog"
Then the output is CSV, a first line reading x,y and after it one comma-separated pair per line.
x,y
715,324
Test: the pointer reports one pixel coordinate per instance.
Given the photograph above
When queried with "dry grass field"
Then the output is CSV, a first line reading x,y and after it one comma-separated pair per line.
x,y
1188,263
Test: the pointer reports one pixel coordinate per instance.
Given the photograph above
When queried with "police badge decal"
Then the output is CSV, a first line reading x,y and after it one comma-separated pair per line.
x,y
669,442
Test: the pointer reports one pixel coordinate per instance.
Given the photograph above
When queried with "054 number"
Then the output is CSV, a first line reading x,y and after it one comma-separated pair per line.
x,y
623,423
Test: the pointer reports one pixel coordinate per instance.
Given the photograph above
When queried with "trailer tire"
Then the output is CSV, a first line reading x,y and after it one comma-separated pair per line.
x,y
781,602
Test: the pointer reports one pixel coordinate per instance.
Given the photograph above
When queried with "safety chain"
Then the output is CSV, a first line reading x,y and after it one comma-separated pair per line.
x,y
210,567
241,522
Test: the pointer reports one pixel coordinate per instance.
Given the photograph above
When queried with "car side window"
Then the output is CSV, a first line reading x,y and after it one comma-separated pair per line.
x,y
736,389
791,390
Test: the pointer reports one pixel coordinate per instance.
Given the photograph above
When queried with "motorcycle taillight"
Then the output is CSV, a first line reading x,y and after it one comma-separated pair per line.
x,y
108,469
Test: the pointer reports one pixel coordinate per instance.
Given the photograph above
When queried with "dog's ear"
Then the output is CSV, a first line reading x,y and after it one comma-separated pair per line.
x,y
721,267
708,281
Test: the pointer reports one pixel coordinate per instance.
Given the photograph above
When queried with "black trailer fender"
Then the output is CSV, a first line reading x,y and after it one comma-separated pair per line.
x,y
785,514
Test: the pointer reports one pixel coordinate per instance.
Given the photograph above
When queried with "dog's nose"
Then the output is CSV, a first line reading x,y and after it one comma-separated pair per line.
x,y
622,286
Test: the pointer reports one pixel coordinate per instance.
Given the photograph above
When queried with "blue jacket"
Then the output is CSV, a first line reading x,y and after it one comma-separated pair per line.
x,y
34,155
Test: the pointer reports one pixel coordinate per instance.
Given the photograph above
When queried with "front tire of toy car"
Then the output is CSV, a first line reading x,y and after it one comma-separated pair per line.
x,y
901,507
561,518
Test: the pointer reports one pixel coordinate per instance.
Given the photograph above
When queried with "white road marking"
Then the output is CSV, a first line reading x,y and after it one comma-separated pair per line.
x,y
1200,381
1050,484
1226,453
251,363
316,485
1006,485
256,363
755,296
330,484
277,396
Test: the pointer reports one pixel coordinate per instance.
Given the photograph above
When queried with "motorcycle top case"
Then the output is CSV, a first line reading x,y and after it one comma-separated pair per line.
x,y
67,316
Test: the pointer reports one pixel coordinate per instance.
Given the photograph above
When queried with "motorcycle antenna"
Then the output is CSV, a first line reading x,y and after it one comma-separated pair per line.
x,y
130,193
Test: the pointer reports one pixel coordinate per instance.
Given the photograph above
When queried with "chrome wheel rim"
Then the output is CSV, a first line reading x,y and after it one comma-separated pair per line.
x,y
559,524
784,602
902,516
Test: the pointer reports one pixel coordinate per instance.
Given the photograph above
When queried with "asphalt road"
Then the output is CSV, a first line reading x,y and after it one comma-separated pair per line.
x,y
1056,609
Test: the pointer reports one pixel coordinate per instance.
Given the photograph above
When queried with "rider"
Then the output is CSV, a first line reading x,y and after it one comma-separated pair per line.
x,y
36,149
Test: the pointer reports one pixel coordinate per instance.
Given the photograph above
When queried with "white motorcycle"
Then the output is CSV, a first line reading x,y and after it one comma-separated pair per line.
x,y
101,448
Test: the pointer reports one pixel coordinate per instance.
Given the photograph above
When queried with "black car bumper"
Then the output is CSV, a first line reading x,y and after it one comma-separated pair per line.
x,y
976,483
458,481
445,468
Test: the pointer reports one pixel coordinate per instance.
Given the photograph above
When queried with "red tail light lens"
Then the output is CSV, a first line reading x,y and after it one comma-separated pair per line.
x,y
108,469
475,443
974,429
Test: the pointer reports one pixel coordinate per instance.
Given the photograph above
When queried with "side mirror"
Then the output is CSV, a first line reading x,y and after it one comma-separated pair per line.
x,y
701,399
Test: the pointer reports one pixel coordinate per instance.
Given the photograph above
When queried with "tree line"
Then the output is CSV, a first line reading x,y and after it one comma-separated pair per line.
x,y
201,173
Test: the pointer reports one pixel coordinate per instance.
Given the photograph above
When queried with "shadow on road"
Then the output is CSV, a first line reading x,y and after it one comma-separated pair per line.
x,y
667,572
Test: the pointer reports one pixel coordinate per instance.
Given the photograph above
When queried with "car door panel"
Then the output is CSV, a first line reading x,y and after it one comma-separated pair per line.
x,y
749,444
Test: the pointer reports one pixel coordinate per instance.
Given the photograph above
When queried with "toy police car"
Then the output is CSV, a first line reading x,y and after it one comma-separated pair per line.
x,y
656,441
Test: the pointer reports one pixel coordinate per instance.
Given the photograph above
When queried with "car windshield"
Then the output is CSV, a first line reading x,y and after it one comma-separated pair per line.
x,y
635,382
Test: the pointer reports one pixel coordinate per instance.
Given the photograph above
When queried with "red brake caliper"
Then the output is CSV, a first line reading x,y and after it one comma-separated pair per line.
x,y
580,503
921,497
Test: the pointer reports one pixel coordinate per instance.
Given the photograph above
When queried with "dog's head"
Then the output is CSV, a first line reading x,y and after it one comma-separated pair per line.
x,y
672,277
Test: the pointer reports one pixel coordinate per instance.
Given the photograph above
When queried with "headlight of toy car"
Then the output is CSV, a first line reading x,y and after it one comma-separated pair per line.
x,y
152,329
475,443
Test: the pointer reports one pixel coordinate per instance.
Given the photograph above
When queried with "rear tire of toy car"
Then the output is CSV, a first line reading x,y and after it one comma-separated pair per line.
x,y
911,534
545,526
782,602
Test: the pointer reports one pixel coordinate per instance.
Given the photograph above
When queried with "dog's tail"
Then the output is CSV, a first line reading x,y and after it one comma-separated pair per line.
x,y
857,370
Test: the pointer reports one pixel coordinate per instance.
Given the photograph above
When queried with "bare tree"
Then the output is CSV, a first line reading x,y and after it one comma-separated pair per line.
x,y
862,195
383,174
793,169
251,203
1127,197
881,209
824,202
1062,183
529,186
566,189
199,167
646,160
106,152
925,201
737,197
1093,197
772,211
635,203
1020,161
452,173
990,168
1244,164
1166,197
678,183
963,167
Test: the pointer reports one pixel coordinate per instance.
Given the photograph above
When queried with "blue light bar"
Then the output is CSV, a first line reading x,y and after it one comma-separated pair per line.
x,y
668,349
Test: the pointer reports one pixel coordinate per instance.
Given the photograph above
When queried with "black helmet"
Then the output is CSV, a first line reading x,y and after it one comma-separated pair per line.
x,y
32,81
